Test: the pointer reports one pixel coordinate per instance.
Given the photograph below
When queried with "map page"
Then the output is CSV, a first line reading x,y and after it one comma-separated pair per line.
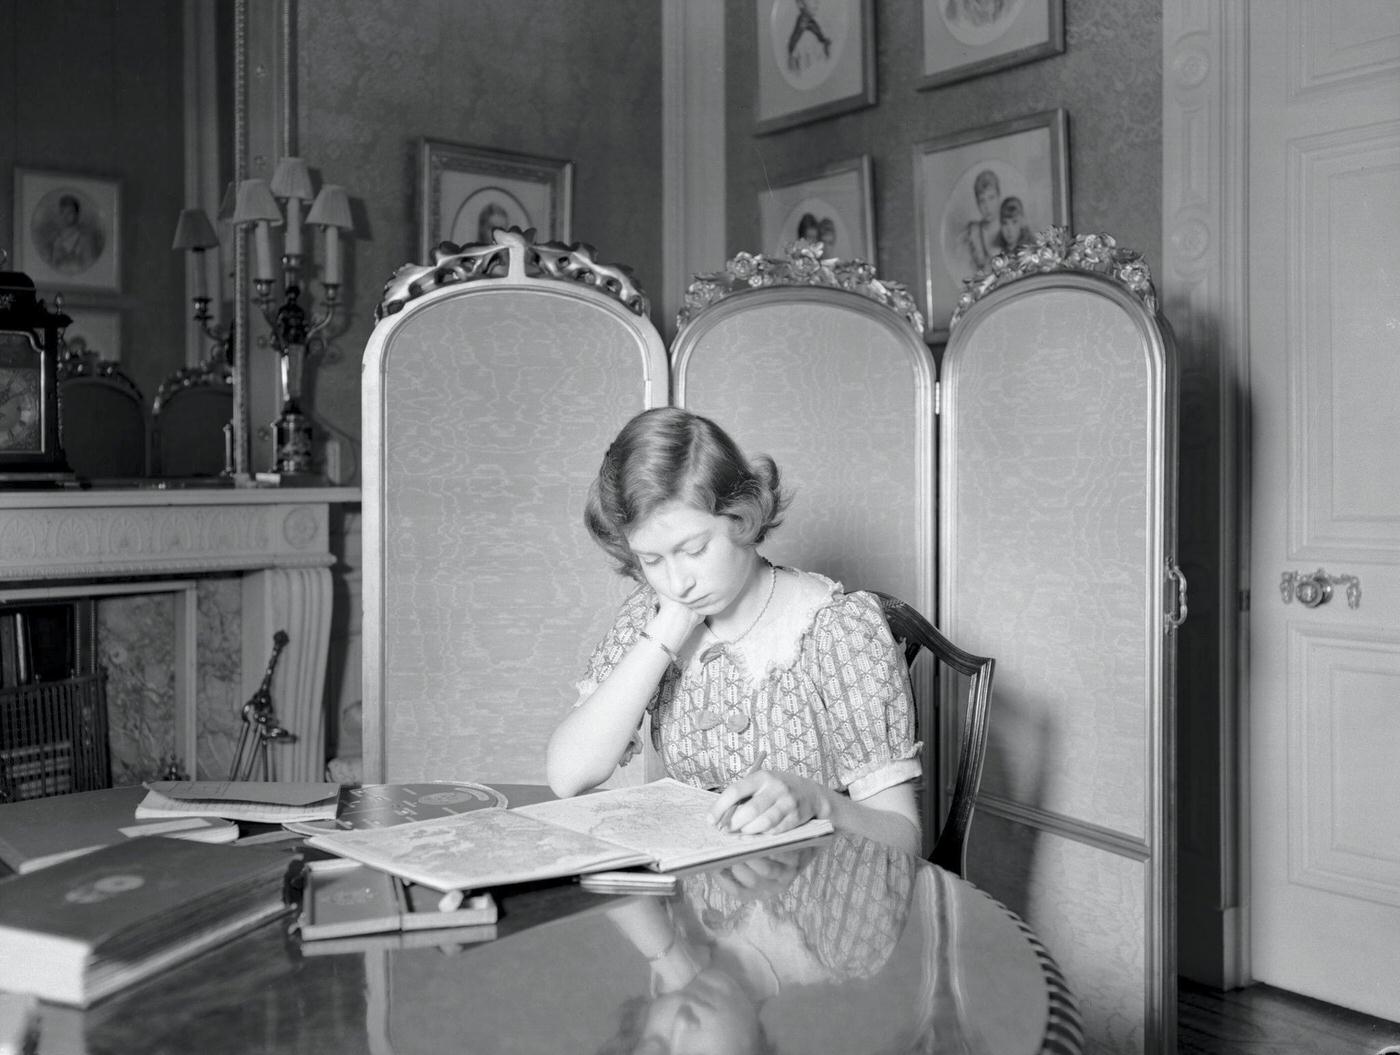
x,y
667,820
476,851
664,825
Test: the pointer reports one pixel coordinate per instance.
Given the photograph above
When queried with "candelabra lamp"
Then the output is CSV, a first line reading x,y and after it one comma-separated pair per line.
x,y
291,320
194,234
282,294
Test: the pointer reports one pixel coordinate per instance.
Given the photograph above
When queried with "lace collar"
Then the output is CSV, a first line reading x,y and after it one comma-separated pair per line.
x,y
776,647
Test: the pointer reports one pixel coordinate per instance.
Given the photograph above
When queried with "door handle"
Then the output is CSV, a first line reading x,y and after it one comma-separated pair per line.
x,y
1313,589
1177,615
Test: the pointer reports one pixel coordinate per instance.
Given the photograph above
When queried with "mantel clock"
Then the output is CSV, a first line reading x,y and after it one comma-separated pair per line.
x,y
31,449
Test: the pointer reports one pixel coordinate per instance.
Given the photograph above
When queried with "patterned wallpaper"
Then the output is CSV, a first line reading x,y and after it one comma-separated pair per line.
x,y
374,76
1108,80
551,80
88,89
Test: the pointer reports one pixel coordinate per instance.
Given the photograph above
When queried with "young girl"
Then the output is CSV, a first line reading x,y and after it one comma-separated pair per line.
x,y
770,684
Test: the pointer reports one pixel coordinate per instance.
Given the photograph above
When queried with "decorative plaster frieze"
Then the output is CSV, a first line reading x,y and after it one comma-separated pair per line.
x,y
91,542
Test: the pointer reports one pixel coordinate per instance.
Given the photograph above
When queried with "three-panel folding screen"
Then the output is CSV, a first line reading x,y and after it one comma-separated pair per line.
x,y
1020,493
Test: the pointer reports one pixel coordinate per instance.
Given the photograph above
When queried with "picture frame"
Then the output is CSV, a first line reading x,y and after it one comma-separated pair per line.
x,y
816,58
464,189
967,38
99,330
838,200
67,230
966,181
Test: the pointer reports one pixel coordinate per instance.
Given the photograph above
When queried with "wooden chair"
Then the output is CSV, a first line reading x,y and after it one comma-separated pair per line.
x,y
191,408
915,633
102,415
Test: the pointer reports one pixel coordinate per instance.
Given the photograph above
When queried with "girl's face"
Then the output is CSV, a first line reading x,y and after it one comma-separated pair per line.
x,y
690,556
710,1016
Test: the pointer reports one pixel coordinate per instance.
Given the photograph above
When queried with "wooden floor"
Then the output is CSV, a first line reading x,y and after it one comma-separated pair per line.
x,y
1264,1019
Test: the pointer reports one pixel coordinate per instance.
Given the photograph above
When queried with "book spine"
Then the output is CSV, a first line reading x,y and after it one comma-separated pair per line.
x,y
38,770
24,662
9,650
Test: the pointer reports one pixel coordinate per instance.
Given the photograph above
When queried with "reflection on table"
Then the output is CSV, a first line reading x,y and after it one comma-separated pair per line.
x,y
843,945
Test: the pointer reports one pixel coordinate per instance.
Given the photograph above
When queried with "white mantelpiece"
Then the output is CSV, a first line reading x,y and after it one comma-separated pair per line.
x,y
66,543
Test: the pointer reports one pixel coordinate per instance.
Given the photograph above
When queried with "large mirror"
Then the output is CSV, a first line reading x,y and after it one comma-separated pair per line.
x,y
134,110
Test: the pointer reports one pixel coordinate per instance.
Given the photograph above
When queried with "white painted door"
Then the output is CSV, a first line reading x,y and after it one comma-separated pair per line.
x,y
1324,388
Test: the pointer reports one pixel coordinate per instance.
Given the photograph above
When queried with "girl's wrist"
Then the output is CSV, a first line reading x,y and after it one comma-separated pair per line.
x,y
670,632
671,653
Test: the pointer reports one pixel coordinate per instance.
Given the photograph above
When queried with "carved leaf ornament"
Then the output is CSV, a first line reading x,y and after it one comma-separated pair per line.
x,y
1054,249
512,253
803,265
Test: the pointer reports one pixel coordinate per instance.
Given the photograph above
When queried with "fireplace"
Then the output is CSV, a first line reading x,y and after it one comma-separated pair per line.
x,y
53,707
259,556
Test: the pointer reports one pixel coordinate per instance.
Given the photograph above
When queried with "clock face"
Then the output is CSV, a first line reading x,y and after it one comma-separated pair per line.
x,y
21,406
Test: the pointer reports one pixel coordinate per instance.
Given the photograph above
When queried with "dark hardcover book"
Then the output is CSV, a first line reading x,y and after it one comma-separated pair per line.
x,y
92,925
341,897
38,833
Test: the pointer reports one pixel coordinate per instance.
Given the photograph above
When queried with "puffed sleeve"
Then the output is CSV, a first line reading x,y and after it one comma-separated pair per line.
x,y
865,688
636,610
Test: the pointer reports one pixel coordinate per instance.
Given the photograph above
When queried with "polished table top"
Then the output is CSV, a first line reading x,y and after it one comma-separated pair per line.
x,y
842,945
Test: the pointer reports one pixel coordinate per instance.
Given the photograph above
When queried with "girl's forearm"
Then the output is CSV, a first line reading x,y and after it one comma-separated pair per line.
x,y
892,822
586,745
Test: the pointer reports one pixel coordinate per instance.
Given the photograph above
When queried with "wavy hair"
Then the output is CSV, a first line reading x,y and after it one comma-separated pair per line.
x,y
672,455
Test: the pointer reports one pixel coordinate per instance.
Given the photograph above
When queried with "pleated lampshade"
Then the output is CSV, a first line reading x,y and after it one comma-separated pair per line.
x,y
194,231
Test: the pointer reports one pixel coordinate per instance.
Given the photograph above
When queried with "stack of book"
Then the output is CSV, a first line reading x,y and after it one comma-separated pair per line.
x,y
350,907
262,802
92,925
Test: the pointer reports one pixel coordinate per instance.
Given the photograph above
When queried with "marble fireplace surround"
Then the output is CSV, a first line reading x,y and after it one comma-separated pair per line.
x,y
59,543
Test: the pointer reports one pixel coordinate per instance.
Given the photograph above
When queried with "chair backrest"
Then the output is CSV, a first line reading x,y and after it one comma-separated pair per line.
x,y
915,633
191,408
102,417
493,383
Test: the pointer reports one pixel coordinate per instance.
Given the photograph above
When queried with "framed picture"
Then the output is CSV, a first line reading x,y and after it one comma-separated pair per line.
x,y
815,58
833,206
966,38
466,192
99,330
68,230
981,192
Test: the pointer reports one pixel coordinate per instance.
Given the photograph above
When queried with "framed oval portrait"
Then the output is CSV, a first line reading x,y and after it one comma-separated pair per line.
x,y
68,230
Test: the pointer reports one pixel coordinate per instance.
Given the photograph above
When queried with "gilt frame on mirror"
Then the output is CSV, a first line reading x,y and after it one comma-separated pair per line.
x,y
465,192
68,232
816,58
967,38
984,191
834,206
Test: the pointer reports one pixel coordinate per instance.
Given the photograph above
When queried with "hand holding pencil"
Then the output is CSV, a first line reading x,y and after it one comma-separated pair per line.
x,y
765,800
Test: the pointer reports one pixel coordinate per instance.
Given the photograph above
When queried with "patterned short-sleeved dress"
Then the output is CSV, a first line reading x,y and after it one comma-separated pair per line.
x,y
839,712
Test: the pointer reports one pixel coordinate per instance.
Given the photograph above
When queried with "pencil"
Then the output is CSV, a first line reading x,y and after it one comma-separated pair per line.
x,y
754,767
